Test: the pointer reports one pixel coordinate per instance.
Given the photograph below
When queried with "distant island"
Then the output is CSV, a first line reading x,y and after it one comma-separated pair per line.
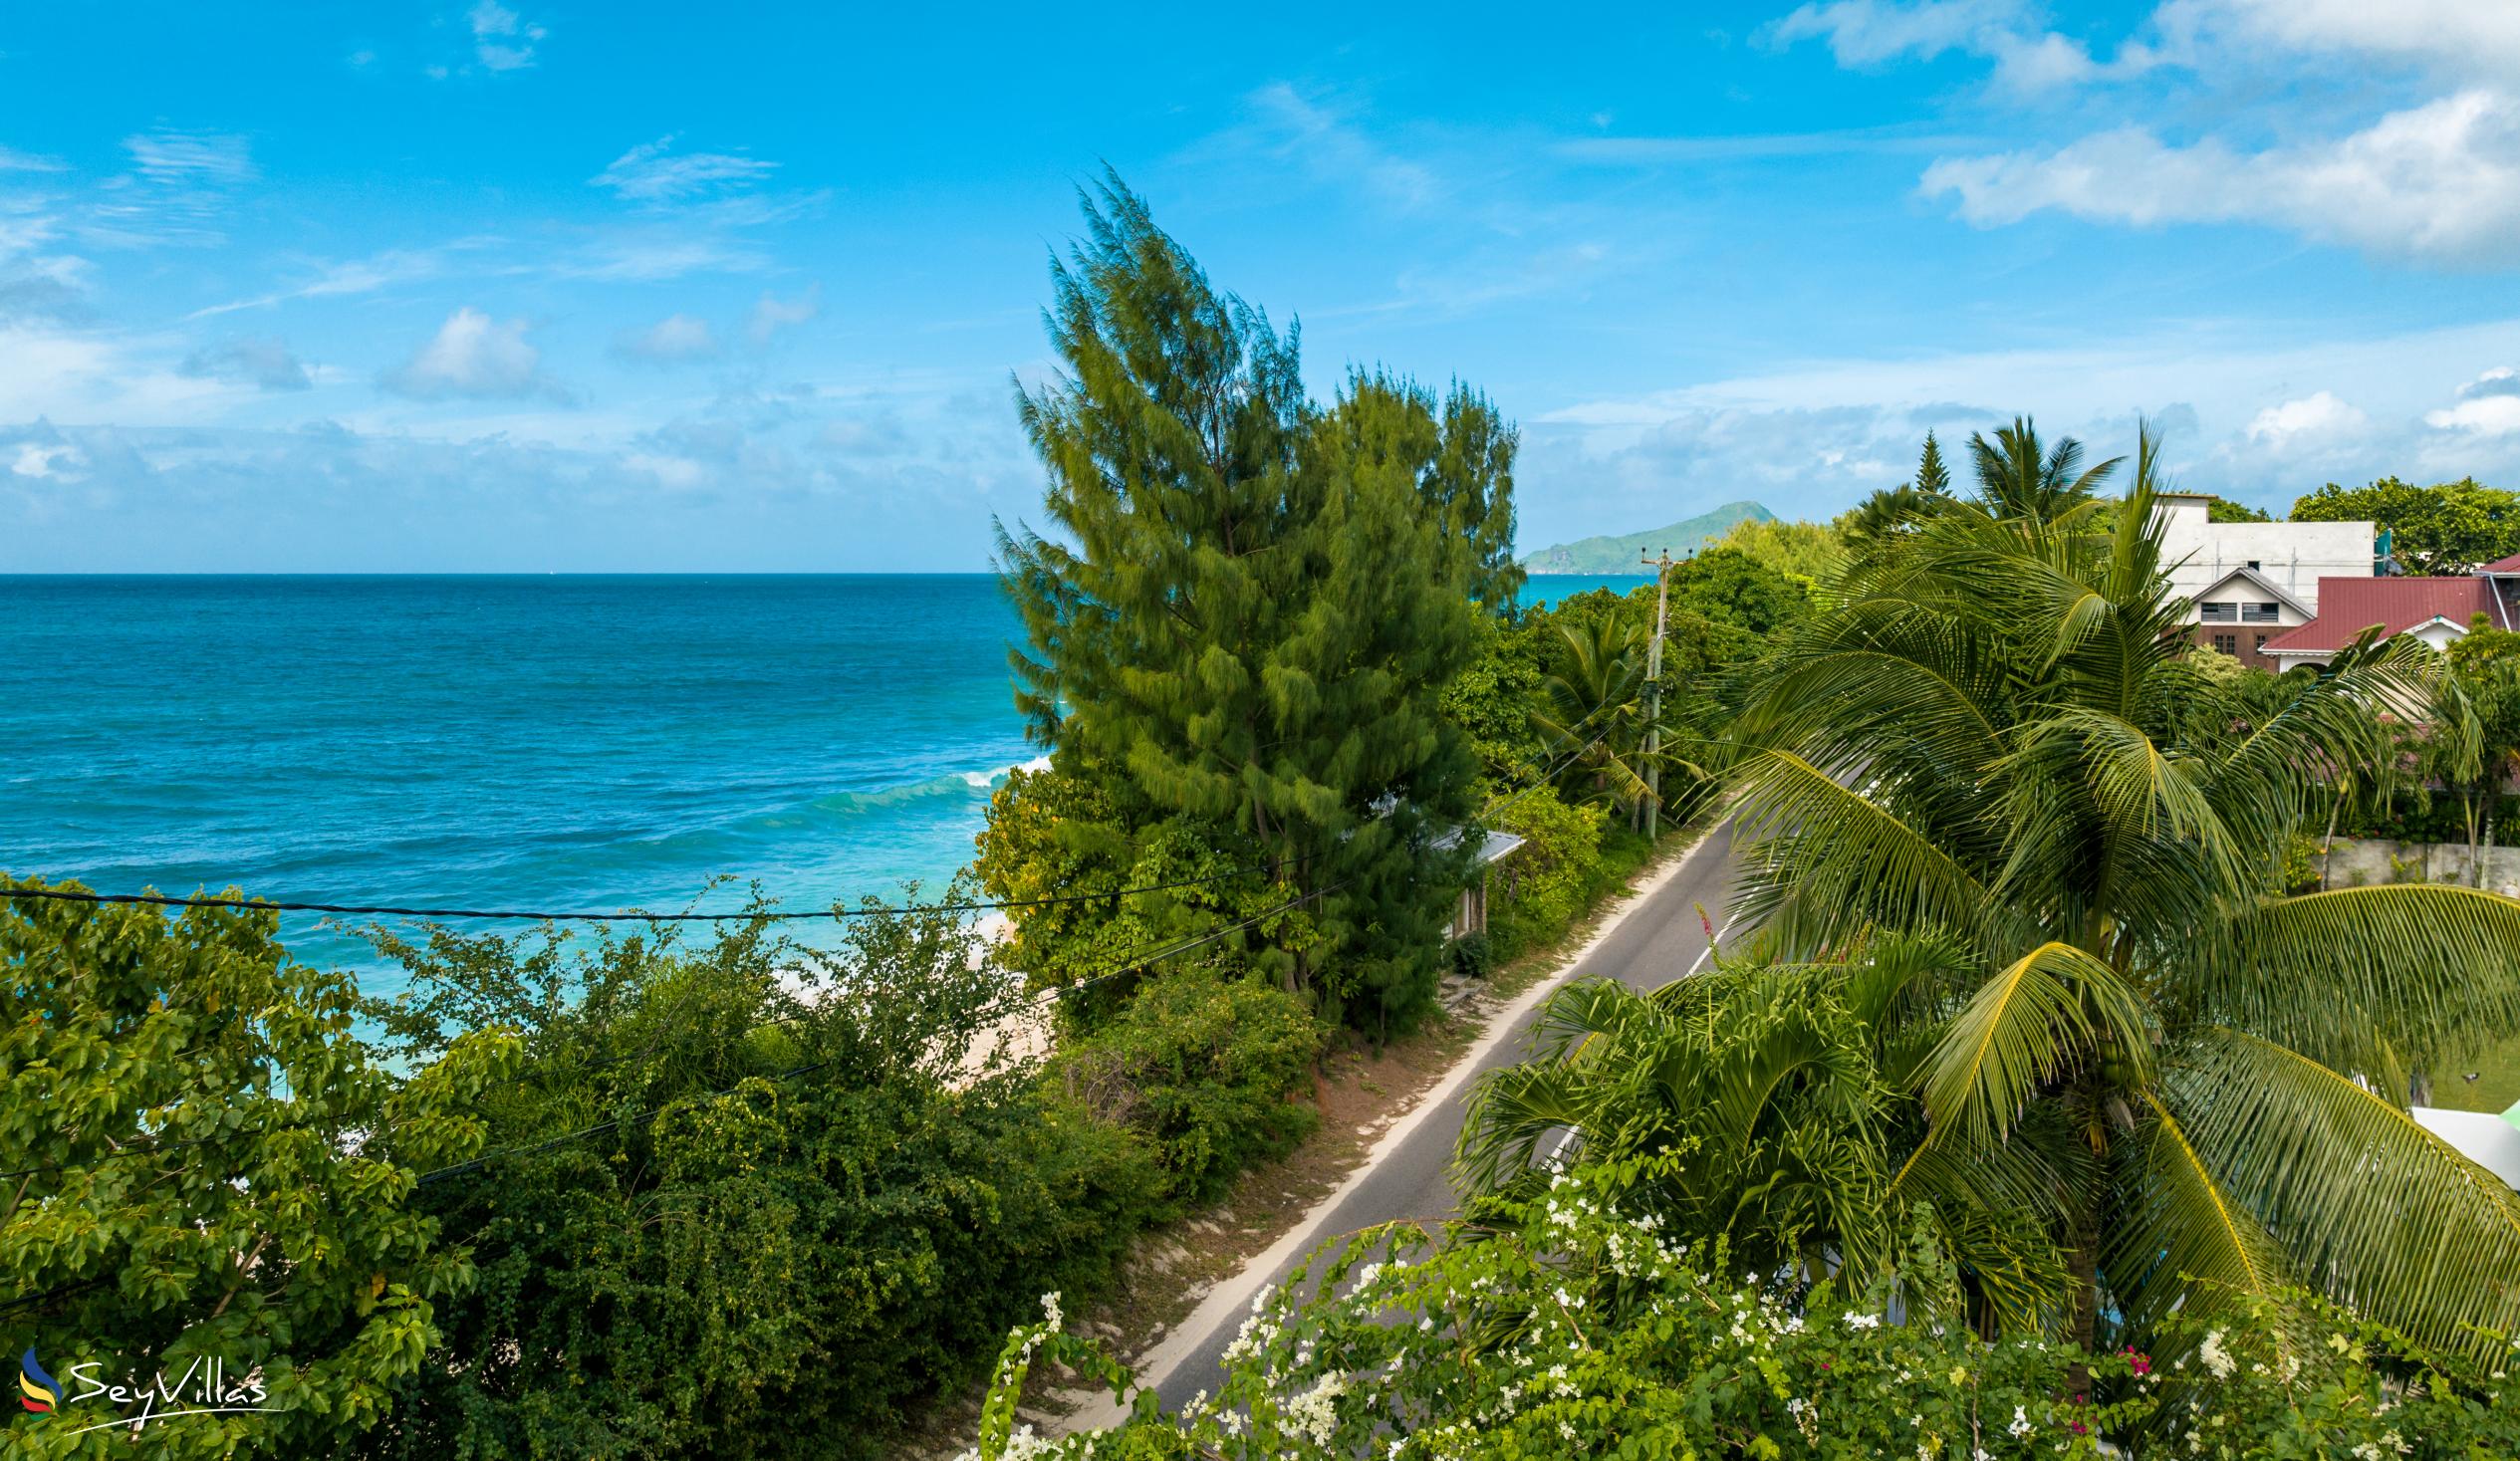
x,y
1624,555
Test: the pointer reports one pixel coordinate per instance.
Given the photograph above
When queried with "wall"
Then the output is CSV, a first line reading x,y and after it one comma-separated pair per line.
x,y
2290,555
2360,864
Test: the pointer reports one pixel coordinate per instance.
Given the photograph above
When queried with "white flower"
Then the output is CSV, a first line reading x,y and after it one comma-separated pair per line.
x,y
2021,1425
2216,1358
1314,1415
1050,1310
1864,1320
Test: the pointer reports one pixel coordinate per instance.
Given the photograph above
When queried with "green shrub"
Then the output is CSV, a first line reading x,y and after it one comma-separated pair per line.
x,y
1539,891
205,1165
1576,1324
763,1206
1201,1065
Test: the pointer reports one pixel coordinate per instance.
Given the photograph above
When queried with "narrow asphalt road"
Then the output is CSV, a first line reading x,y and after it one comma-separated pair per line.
x,y
1658,938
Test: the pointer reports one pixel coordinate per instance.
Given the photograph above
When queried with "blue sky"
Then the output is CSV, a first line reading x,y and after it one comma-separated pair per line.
x,y
555,285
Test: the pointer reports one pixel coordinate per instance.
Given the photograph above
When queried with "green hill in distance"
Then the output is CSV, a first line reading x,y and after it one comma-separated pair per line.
x,y
1625,555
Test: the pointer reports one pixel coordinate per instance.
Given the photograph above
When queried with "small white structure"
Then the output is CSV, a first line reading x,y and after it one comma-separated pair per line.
x,y
1472,916
2249,582
2490,1142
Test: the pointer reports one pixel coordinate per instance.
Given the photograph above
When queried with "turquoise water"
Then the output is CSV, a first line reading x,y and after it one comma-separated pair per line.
x,y
575,743
586,743
1545,590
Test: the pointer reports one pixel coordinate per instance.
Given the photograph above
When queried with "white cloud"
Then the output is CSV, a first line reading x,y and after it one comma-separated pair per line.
x,y
13,161
2467,37
1866,34
36,281
502,40
2316,417
676,473
474,356
652,173
173,159
354,276
673,338
267,364
41,462
2488,405
2439,182
771,315
1322,142
1810,438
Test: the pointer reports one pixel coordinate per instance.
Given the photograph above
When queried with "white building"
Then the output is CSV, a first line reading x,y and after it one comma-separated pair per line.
x,y
2249,582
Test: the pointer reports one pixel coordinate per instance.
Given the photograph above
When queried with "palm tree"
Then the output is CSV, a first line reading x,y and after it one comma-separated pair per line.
x,y
1990,740
2015,481
1993,738
1769,1086
1595,719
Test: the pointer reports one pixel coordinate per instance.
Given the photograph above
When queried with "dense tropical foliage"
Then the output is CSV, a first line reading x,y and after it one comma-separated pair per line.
x,y
1576,1322
2448,528
2031,852
204,1165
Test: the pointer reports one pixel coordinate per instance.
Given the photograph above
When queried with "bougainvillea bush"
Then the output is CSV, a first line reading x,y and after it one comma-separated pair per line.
x,y
1571,1325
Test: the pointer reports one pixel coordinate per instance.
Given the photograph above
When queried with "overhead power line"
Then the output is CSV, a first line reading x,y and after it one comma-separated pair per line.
x,y
1133,964
162,901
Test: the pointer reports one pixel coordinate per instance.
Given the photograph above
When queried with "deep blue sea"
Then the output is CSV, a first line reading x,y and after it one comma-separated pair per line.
x,y
580,742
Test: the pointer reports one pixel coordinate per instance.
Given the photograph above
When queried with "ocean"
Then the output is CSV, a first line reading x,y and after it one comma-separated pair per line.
x,y
580,743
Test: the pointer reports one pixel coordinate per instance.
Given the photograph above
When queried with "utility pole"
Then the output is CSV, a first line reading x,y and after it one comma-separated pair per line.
x,y
1653,695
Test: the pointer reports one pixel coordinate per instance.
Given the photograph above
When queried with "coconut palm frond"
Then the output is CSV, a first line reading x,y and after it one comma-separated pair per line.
x,y
2177,1223
2053,1011
1825,862
2428,968
2373,1210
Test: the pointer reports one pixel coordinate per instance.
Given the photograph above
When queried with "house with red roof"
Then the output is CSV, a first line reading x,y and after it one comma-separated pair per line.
x,y
2248,583
2436,611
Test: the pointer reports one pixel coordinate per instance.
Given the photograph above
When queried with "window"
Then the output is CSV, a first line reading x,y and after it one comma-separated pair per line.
x,y
2219,614
2257,614
2261,642
2227,643
2253,565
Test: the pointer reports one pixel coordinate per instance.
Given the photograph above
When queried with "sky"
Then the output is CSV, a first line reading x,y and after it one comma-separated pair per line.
x,y
553,286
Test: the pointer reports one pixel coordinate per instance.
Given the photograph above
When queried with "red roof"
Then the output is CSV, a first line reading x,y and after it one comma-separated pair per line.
x,y
2349,606
2509,565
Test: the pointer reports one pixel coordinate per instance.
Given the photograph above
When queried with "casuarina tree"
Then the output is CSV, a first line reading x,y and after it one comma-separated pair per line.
x,y
1245,605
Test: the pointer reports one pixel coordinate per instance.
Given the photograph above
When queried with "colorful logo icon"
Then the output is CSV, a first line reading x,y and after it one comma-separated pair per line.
x,y
39,1391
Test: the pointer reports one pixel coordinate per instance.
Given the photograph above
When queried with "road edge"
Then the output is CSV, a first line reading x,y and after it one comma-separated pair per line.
x,y
1232,1296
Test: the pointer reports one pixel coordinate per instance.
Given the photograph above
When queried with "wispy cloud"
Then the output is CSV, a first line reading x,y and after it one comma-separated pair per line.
x,y
652,173
266,364
502,40
173,159
1870,34
331,279
1325,142
36,280
174,193
13,161
1757,147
